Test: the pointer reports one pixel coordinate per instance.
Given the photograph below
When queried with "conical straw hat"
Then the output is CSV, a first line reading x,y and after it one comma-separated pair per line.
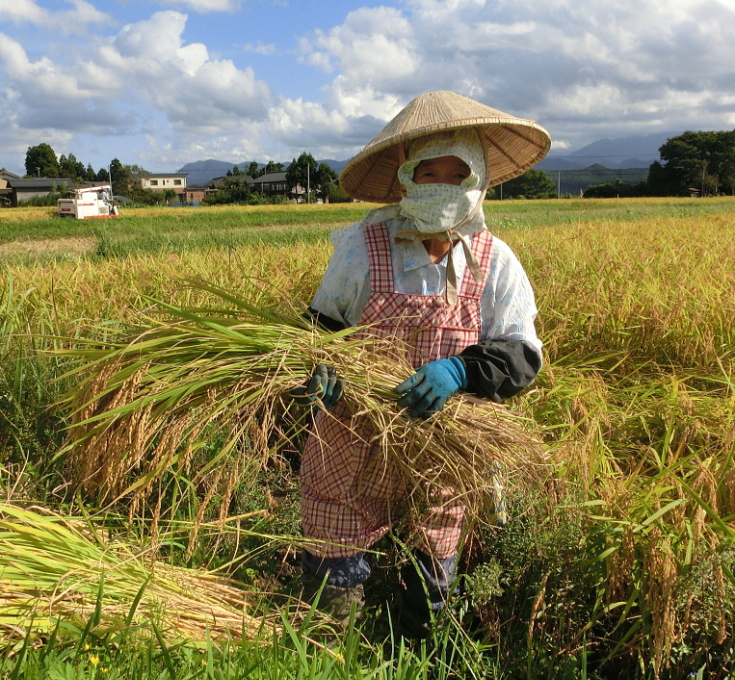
x,y
512,145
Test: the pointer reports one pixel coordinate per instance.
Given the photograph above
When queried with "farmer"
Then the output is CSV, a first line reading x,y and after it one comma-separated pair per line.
x,y
426,272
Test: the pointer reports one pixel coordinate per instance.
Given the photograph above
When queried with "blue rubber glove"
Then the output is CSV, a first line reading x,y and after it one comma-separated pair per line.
x,y
323,385
427,390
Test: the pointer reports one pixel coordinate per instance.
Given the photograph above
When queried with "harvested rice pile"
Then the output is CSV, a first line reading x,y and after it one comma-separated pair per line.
x,y
147,404
53,569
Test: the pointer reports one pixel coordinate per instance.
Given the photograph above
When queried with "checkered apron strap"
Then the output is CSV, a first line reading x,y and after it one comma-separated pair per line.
x,y
381,264
482,244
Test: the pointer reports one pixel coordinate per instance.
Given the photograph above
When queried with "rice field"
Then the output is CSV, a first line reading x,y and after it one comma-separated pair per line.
x,y
617,564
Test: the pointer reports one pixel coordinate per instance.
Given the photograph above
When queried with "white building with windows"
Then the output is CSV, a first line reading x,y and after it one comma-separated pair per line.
x,y
159,181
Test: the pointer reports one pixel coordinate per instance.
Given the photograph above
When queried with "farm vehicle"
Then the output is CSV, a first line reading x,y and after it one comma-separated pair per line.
x,y
88,202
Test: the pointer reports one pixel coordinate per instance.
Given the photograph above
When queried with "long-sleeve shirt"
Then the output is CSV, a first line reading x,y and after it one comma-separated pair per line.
x,y
508,356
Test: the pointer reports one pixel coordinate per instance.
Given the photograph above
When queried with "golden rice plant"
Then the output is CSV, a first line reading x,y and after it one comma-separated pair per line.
x,y
148,404
54,568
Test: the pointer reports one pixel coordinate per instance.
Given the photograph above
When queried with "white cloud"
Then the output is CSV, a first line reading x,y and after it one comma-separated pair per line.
x,y
62,21
572,66
373,45
181,80
205,6
40,79
260,48
23,11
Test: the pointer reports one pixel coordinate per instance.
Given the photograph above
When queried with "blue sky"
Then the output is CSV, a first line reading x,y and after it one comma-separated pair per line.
x,y
162,83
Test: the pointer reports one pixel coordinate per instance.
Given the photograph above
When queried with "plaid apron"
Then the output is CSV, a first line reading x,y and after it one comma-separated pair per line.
x,y
349,498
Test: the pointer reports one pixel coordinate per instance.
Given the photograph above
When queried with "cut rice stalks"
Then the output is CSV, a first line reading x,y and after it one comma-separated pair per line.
x,y
59,569
148,404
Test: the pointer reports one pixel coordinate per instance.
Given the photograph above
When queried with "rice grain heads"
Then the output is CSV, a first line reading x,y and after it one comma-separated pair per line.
x,y
152,403
55,568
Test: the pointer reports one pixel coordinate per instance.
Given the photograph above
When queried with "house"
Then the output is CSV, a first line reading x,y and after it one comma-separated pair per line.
x,y
25,189
5,177
274,184
160,181
271,184
5,190
195,194
220,182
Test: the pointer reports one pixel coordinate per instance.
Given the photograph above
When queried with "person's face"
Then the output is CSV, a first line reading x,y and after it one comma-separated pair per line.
x,y
442,170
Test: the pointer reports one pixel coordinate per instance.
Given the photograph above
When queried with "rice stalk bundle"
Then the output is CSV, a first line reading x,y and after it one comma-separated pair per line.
x,y
148,404
54,568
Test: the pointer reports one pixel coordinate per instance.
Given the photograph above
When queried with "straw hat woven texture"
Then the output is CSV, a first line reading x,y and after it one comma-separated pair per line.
x,y
512,145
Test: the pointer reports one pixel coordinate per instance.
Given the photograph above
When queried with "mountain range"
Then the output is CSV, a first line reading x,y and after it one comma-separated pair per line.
x,y
636,151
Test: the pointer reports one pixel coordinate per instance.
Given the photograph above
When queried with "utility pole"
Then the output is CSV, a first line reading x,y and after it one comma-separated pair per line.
x,y
558,186
501,191
704,165
308,183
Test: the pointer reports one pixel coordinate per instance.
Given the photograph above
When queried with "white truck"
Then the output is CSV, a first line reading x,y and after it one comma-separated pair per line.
x,y
88,202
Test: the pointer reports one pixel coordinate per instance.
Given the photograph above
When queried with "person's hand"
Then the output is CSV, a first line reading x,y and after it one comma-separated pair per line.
x,y
427,390
323,385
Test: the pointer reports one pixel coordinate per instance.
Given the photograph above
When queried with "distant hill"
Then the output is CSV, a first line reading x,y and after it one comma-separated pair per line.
x,y
637,151
571,181
203,172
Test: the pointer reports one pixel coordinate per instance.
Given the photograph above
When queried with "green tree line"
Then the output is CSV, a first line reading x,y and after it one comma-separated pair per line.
x,y
41,160
703,161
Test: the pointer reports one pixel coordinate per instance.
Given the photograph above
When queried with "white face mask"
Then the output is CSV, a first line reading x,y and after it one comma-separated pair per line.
x,y
435,208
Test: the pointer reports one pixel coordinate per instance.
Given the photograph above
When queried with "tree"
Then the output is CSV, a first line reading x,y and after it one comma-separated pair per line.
x,y
272,167
328,188
326,174
121,178
662,180
233,190
236,170
254,169
303,171
531,184
616,189
701,160
332,193
41,160
124,181
70,167
309,174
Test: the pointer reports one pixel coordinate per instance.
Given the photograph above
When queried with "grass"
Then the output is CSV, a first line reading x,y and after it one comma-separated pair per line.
x,y
620,567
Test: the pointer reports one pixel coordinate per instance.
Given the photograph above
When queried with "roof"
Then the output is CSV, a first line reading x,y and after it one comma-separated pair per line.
x,y
39,182
6,174
271,177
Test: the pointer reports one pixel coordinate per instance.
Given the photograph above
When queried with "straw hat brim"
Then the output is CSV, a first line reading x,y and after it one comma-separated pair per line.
x,y
512,145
